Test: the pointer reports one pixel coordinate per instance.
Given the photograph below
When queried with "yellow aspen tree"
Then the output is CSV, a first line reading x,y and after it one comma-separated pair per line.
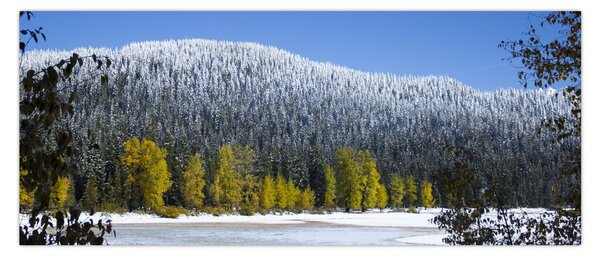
x,y
306,200
348,180
25,197
60,191
382,197
329,187
226,188
281,192
411,190
396,192
267,193
427,194
192,189
148,170
371,187
293,194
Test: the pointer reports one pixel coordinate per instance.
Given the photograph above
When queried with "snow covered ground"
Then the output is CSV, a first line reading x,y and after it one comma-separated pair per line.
x,y
371,227
369,218
378,226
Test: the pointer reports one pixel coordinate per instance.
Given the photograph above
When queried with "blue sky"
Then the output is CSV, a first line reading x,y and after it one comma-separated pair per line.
x,y
463,45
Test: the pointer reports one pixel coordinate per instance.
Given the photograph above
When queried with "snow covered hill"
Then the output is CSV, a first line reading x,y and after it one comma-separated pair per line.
x,y
196,95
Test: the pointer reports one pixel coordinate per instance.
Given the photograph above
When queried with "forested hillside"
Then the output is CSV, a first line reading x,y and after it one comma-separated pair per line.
x,y
195,96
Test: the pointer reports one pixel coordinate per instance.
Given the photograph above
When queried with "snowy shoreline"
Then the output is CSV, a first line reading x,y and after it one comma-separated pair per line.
x,y
371,218
385,218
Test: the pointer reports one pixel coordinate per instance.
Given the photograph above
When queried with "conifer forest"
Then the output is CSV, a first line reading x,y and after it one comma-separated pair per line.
x,y
218,111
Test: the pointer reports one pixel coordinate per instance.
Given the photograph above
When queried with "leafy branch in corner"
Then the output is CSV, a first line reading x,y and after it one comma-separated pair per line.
x,y
46,148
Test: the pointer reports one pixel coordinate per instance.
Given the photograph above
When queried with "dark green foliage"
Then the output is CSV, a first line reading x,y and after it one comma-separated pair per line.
x,y
481,226
458,185
91,196
548,63
45,149
410,188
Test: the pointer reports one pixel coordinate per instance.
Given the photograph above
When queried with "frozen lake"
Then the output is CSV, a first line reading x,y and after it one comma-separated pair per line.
x,y
308,233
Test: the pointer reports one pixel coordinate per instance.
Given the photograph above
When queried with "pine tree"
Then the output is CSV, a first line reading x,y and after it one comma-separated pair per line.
x,y
382,197
244,168
411,191
71,200
267,193
91,195
281,192
329,187
192,189
244,160
427,195
397,192
226,188
147,170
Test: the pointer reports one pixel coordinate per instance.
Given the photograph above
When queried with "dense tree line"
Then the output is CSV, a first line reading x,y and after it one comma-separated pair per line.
x,y
239,184
195,96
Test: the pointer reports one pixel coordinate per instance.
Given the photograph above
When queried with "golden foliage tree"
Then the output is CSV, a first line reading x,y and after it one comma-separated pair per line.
x,y
60,192
427,194
306,200
25,197
329,187
281,194
371,178
382,197
396,191
267,193
192,190
226,188
411,190
293,194
148,170
348,179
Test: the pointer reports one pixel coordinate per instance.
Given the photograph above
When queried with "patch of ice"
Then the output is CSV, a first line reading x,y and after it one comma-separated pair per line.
x,y
423,240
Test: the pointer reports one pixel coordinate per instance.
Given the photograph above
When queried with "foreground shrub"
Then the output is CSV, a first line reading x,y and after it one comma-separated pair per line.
x,y
215,211
112,207
172,212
